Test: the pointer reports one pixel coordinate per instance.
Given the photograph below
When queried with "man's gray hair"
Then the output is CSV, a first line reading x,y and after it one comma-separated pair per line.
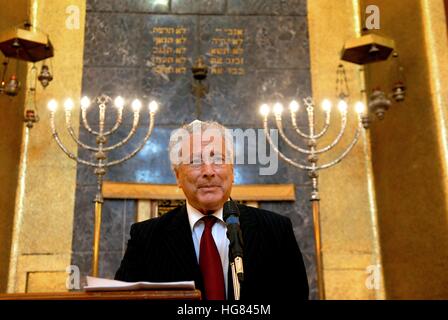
x,y
212,128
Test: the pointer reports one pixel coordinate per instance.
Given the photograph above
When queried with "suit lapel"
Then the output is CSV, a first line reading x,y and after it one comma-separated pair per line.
x,y
250,231
251,239
181,247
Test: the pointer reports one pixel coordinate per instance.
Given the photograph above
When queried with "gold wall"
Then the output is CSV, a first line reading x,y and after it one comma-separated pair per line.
x,y
409,152
348,212
12,13
43,219
384,205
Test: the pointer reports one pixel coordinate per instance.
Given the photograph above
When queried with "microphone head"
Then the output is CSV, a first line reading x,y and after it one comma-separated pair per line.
x,y
230,208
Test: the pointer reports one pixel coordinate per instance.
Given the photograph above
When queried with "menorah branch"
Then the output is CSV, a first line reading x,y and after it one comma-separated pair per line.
x,y
273,146
102,150
142,144
311,140
63,148
346,152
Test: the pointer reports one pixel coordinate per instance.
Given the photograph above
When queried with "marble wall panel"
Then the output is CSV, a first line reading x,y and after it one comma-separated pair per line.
x,y
198,6
267,7
119,60
140,6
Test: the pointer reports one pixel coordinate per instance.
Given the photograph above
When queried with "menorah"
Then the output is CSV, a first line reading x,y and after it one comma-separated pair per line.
x,y
101,150
312,153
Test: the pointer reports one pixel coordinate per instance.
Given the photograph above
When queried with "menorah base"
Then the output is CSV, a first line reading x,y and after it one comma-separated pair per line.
x,y
96,238
319,263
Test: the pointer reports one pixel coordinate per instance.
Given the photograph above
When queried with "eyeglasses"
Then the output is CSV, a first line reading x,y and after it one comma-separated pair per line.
x,y
215,160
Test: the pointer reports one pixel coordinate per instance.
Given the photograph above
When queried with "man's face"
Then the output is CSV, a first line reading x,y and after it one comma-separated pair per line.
x,y
206,180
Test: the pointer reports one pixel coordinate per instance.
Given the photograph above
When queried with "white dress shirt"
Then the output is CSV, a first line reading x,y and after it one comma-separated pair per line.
x,y
218,232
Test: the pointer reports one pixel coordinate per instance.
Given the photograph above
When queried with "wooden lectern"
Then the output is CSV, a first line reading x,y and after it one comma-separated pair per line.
x,y
108,295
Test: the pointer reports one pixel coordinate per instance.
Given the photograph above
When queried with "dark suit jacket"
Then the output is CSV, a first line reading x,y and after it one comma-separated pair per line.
x,y
162,249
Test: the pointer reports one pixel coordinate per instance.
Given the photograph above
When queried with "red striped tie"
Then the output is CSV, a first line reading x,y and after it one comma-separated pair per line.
x,y
210,263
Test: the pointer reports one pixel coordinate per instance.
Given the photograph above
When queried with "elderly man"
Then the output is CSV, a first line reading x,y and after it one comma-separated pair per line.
x,y
190,242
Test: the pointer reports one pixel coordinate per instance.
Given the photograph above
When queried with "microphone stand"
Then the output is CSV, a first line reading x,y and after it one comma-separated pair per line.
x,y
237,267
231,217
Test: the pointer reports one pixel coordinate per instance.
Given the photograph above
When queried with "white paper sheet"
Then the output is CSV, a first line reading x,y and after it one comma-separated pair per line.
x,y
101,284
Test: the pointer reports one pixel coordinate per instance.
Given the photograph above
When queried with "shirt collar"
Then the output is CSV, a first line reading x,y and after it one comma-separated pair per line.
x,y
194,215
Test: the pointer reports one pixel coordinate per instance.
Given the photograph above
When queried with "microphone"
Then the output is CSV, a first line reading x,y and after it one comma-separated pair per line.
x,y
231,215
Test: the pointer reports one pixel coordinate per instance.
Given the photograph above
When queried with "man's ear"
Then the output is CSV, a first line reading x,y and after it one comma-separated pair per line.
x,y
176,173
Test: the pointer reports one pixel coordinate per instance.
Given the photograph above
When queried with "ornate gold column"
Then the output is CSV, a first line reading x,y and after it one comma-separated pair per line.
x,y
11,14
410,152
435,26
348,207
42,235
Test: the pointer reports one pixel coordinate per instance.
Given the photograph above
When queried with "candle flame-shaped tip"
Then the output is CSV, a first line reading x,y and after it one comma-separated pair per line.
x,y
326,105
294,106
360,107
52,105
342,106
264,109
119,102
68,104
136,105
85,102
278,108
153,106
